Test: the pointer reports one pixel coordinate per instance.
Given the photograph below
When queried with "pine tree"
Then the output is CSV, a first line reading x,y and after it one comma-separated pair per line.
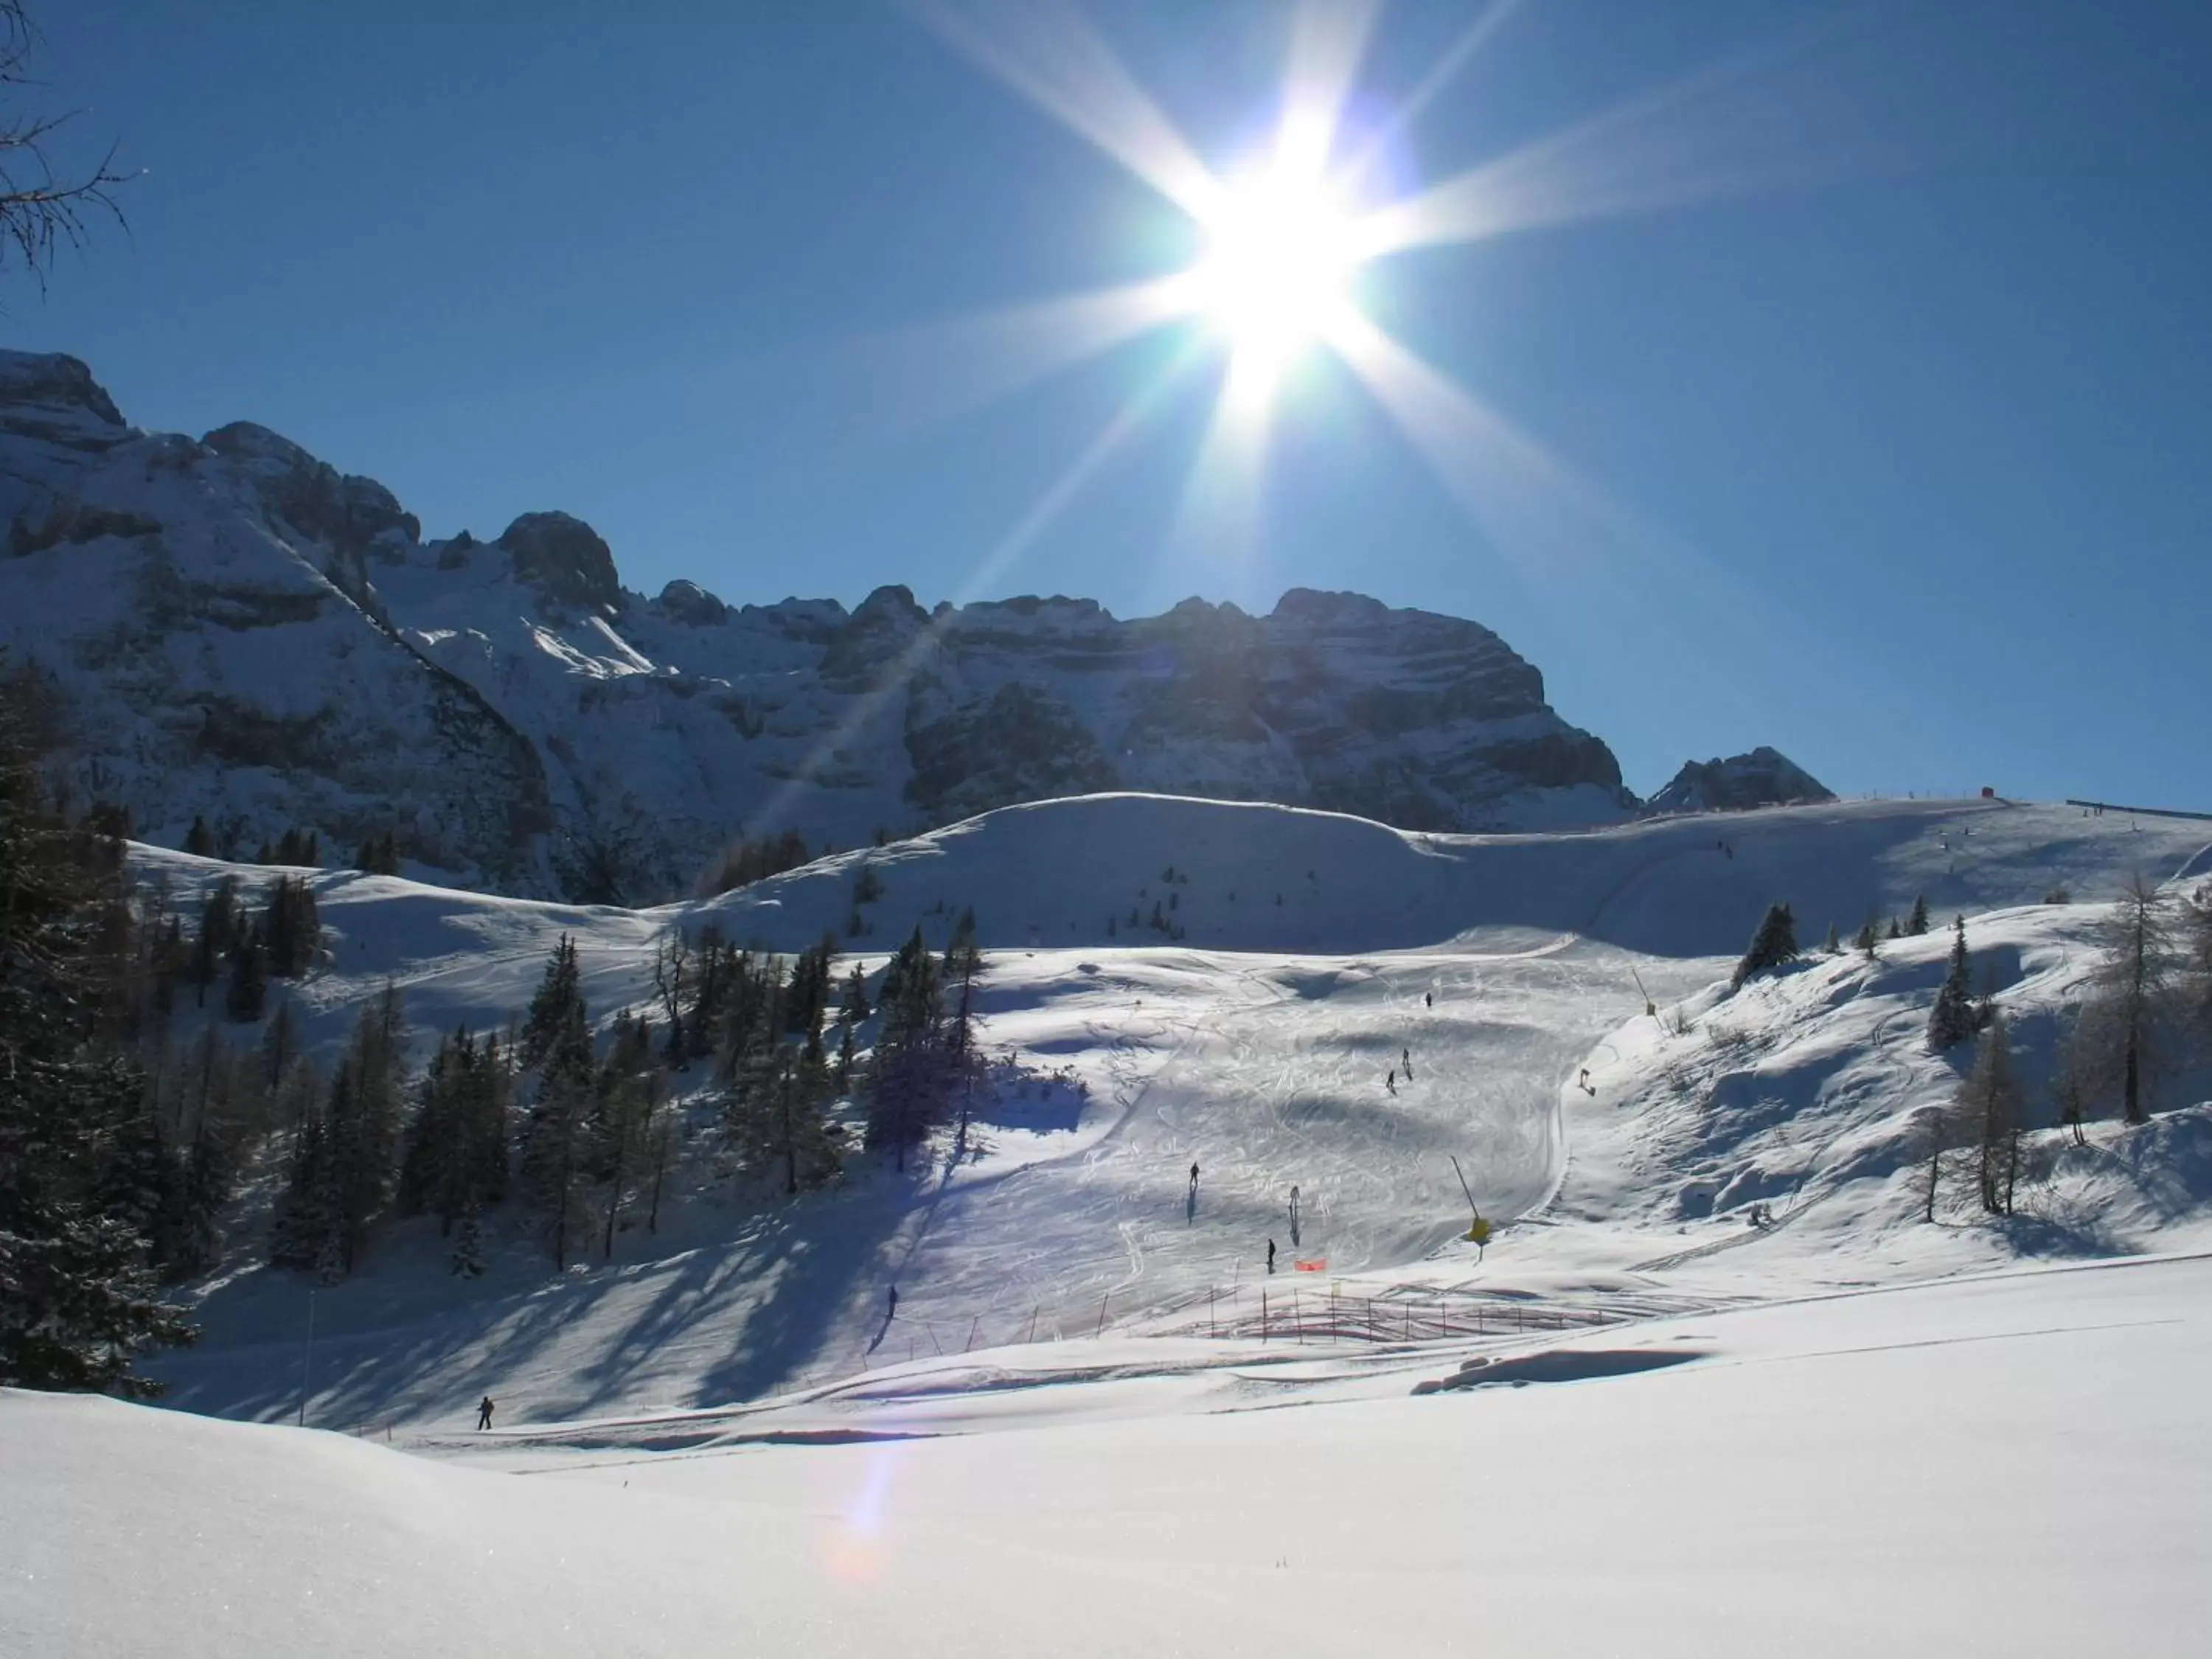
x,y
1954,1017
556,1043
199,840
468,1248
556,1011
1990,1102
855,1010
2128,1028
1867,940
220,919
249,984
291,930
280,1044
1917,924
1834,947
624,1098
307,1214
907,1068
1774,945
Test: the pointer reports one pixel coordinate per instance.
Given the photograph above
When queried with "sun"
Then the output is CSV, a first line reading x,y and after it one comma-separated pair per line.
x,y
1277,273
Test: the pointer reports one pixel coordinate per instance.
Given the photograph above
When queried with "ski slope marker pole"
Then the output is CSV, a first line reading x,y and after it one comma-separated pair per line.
x,y
1101,1314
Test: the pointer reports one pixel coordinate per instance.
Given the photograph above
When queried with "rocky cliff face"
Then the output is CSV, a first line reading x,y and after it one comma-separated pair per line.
x,y
1765,777
239,632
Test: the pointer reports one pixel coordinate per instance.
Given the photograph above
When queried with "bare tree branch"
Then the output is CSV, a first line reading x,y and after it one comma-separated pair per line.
x,y
43,209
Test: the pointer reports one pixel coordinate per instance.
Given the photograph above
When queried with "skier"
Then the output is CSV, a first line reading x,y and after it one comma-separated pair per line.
x,y
1271,1255
484,1413
1428,998
1193,1175
1586,1082
1406,1055
893,1314
1390,1081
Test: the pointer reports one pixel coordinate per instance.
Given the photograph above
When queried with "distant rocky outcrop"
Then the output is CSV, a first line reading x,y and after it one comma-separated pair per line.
x,y
243,634
1765,777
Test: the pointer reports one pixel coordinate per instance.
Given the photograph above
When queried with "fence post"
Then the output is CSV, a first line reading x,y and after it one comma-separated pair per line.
x,y
1297,1318
972,1329
1034,1311
1101,1315
1212,1328
1263,1313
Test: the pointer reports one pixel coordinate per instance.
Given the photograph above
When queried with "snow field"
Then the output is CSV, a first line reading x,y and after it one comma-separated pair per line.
x,y
1066,1208
2010,1463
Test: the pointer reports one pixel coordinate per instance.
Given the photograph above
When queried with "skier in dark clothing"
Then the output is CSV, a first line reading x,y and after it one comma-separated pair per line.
x,y
1271,1255
484,1413
1193,1175
1428,998
1406,1055
1390,1081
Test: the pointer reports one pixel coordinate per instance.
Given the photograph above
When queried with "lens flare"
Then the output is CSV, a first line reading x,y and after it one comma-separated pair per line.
x,y
1277,268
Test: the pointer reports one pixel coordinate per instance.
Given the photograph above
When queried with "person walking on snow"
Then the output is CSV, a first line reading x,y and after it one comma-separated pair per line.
x,y
1193,1175
484,1413
1390,1081
1428,998
1406,1055
1271,1255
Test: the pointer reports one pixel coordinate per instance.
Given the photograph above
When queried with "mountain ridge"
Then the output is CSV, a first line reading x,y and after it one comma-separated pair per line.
x,y
241,633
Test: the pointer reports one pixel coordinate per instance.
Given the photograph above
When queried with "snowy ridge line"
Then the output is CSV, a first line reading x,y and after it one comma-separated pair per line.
x,y
2141,811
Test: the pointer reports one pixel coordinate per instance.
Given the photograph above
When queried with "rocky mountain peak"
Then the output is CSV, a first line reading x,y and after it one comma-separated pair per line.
x,y
564,559
54,380
1763,777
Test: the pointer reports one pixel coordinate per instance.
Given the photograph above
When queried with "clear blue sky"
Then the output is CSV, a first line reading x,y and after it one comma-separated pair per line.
x,y
1909,448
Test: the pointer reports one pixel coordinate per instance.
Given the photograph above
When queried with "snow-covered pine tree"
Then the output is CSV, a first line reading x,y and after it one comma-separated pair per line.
x,y
1953,1019
1916,923
1774,945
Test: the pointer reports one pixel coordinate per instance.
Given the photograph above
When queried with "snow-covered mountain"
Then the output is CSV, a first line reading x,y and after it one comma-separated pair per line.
x,y
240,632
1765,777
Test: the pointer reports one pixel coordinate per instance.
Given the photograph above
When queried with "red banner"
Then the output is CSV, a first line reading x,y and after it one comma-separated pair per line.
x,y
1312,1264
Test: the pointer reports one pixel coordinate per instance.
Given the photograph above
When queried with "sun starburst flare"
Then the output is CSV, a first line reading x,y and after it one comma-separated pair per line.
x,y
1283,240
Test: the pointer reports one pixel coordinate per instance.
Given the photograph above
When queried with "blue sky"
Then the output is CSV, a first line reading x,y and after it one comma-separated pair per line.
x,y
1887,438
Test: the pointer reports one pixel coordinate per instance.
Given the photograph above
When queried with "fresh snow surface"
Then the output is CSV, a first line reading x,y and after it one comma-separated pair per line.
x,y
2012,1463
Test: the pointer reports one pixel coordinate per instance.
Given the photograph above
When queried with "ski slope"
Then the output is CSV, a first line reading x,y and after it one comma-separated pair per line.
x,y
2003,1464
1257,1045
